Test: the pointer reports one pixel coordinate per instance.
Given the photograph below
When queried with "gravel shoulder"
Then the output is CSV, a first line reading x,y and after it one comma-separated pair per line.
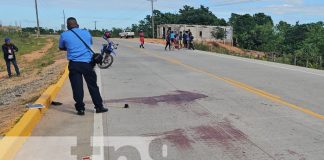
x,y
18,91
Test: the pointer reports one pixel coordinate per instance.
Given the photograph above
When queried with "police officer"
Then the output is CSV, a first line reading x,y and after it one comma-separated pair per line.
x,y
80,66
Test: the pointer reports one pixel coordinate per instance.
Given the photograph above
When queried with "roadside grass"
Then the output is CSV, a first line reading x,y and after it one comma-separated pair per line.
x,y
50,57
36,68
26,43
221,50
284,59
216,49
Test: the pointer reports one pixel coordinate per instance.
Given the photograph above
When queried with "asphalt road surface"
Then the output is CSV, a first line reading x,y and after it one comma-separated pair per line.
x,y
188,105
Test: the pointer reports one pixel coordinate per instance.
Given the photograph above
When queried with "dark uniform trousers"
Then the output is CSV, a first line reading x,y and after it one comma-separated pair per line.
x,y
78,70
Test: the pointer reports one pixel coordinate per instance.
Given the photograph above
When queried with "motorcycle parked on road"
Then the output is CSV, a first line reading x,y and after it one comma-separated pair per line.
x,y
106,52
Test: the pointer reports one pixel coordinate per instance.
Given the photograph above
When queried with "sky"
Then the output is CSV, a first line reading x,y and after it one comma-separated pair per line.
x,y
123,13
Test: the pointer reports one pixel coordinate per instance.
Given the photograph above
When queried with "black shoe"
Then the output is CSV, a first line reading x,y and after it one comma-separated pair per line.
x,y
81,113
101,110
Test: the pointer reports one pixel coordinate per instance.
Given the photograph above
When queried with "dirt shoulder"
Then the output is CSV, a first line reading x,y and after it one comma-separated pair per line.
x,y
38,72
231,49
39,53
149,40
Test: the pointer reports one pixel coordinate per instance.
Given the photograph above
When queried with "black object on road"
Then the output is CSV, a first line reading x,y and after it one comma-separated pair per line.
x,y
57,103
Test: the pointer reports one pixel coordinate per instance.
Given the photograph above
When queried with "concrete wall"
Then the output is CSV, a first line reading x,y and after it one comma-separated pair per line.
x,y
200,32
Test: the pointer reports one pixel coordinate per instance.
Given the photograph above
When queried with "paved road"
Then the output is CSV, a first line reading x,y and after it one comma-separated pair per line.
x,y
189,105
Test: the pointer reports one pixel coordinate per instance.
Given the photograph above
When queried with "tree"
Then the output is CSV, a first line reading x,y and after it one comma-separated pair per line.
x,y
96,33
201,16
313,45
243,26
254,32
186,15
262,19
308,53
294,38
115,32
219,33
280,31
264,38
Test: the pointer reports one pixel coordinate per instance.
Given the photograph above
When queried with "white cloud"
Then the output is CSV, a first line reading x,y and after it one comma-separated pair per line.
x,y
293,1
299,9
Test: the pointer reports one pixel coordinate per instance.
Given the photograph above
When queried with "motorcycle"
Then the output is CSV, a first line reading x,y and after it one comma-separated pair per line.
x,y
106,51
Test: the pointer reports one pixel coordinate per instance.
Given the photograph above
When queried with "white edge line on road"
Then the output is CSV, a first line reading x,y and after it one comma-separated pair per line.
x,y
266,63
98,137
270,64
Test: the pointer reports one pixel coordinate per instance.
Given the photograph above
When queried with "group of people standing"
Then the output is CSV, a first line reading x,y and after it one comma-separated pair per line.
x,y
175,40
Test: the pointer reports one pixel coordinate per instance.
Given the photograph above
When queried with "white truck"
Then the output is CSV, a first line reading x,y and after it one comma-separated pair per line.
x,y
127,34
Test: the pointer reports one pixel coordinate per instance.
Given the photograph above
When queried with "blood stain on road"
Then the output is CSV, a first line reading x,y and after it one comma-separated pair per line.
x,y
176,98
177,137
222,135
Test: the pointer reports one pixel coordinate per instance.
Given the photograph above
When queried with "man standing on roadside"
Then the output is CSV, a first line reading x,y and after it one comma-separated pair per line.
x,y
80,65
9,56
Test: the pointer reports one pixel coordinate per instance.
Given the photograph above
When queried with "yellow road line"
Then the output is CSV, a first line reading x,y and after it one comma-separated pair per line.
x,y
241,85
252,88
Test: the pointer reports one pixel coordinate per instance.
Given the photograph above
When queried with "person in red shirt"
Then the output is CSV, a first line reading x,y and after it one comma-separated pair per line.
x,y
141,35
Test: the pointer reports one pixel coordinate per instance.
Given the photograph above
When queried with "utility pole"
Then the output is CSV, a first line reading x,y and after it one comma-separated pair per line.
x,y
38,32
152,5
95,25
64,20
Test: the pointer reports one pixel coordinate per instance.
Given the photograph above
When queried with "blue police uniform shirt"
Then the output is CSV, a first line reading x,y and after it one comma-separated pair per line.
x,y
76,50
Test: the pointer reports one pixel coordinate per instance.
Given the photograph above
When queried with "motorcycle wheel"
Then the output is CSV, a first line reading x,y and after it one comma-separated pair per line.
x,y
106,62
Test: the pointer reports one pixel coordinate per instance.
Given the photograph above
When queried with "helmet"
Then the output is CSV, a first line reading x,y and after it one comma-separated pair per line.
x,y
7,40
106,34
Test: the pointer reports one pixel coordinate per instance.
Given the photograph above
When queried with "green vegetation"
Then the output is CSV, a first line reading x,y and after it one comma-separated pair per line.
x,y
219,33
186,15
298,44
115,32
33,30
47,31
218,49
49,57
212,48
24,41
